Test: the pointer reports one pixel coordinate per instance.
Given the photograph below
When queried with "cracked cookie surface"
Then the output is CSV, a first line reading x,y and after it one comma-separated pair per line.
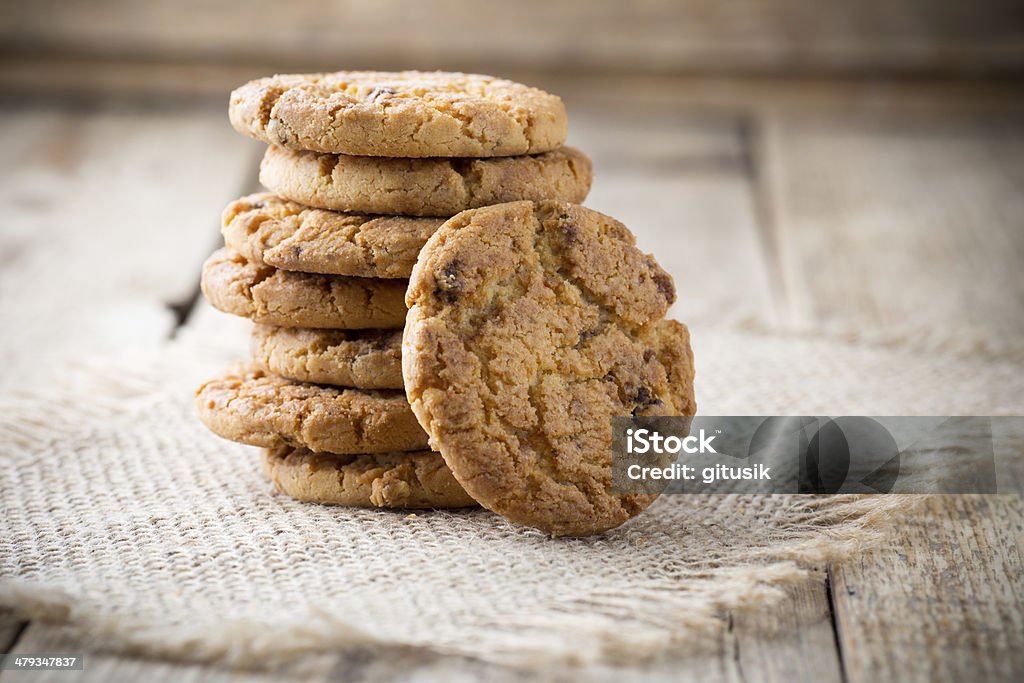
x,y
252,407
365,359
267,229
423,187
411,480
399,114
530,326
265,294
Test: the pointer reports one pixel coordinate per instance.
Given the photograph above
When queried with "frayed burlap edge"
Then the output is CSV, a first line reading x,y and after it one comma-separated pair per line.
x,y
595,629
836,528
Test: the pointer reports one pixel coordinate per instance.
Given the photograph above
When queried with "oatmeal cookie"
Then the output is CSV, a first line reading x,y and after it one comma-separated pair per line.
x,y
400,114
530,326
412,480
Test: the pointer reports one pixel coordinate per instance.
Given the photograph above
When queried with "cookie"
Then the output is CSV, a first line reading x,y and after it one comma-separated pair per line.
x,y
404,114
366,359
530,326
255,408
423,187
413,480
267,229
279,297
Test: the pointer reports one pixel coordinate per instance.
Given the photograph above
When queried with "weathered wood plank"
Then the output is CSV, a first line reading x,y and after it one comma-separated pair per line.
x,y
651,35
943,601
791,642
651,138
895,229
109,214
96,79
703,230
680,182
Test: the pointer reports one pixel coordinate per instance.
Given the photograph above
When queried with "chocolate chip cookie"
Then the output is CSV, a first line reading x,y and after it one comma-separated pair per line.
x,y
530,326
265,294
403,114
365,359
412,480
255,408
423,187
270,230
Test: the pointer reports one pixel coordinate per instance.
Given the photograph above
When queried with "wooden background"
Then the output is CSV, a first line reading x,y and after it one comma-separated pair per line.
x,y
779,140
664,36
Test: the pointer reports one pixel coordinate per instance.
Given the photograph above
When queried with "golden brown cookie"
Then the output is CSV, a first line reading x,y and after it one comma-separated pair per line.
x,y
530,326
423,187
258,409
366,359
404,114
412,480
267,229
280,297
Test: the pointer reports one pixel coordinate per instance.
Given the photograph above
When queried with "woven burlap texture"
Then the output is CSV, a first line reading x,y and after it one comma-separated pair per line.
x,y
125,517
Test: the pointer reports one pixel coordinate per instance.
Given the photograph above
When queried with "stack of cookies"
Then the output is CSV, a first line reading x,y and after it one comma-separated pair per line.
x,y
363,169
439,323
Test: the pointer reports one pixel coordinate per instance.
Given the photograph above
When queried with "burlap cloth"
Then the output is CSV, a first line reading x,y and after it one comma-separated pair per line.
x,y
124,516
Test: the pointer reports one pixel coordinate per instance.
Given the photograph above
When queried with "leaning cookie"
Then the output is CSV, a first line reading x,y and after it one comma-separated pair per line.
x,y
403,114
258,409
268,229
279,297
423,187
531,325
365,359
410,480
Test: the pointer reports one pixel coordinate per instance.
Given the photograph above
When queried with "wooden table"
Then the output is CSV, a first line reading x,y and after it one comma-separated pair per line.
x,y
113,182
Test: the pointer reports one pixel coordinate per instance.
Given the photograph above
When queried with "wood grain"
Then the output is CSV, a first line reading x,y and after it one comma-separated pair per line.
x,y
109,214
794,642
680,181
943,601
792,36
82,79
898,230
